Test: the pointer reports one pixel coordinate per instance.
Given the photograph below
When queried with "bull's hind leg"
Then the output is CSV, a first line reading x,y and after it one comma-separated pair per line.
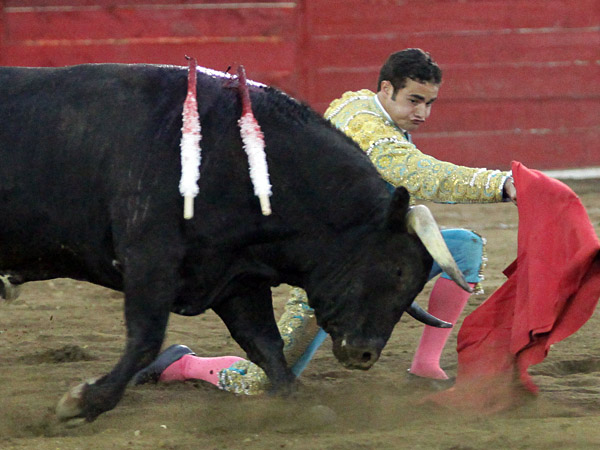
x,y
150,290
250,320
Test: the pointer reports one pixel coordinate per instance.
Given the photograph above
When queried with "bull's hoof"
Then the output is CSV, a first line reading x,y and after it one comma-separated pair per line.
x,y
69,408
282,392
8,291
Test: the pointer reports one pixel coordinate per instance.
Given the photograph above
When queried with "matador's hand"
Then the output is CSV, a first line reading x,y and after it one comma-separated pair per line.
x,y
509,190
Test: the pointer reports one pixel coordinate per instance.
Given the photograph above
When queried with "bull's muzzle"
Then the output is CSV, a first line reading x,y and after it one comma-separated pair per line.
x,y
360,355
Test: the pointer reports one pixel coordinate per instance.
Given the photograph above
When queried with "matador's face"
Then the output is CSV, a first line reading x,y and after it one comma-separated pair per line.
x,y
410,106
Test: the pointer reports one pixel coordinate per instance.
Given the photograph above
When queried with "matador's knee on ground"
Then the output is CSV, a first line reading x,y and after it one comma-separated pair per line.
x,y
298,328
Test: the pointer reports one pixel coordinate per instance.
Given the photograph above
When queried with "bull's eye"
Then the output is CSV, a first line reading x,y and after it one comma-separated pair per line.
x,y
399,272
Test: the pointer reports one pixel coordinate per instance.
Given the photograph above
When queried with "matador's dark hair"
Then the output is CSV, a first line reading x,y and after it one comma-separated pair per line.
x,y
411,63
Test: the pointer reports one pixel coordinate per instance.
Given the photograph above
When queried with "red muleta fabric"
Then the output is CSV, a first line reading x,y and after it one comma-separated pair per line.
x,y
552,290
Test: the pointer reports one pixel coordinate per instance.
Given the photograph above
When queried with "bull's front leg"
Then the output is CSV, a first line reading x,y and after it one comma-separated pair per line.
x,y
251,322
149,293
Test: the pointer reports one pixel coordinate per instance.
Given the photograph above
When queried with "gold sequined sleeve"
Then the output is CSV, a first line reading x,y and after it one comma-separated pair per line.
x,y
402,164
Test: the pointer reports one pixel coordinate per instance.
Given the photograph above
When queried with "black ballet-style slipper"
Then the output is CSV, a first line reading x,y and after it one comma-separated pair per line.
x,y
152,372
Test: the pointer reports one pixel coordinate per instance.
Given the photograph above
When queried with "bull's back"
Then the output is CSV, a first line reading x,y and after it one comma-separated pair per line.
x,y
76,143
88,152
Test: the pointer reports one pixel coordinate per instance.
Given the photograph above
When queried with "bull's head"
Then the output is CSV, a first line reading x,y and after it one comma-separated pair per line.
x,y
373,279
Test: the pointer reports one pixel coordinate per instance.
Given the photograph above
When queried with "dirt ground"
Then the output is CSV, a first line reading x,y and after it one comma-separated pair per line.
x,y
61,332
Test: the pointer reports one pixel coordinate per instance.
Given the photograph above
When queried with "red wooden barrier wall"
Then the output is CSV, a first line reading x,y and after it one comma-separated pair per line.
x,y
521,77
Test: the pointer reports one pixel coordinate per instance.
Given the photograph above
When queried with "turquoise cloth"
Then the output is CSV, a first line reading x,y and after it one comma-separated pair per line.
x,y
467,249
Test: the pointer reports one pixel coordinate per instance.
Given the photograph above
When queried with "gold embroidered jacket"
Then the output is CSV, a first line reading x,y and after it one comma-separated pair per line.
x,y
400,163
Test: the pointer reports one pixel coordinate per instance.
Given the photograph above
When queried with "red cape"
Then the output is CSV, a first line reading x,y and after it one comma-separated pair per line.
x,y
552,290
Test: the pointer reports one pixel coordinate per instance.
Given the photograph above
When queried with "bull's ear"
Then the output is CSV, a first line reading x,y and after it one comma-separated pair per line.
x,y
396,216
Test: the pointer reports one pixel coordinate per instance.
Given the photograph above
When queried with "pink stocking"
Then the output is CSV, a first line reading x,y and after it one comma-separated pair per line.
x,y
446,302
192,367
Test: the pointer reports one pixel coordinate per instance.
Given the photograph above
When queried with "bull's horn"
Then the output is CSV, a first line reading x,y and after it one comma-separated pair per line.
x,y
420,221
418,313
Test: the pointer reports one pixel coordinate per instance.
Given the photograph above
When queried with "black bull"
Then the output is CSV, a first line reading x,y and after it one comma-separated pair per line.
x,y
89,174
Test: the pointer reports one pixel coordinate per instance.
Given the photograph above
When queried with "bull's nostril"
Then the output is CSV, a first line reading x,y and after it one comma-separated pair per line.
x,y
366,357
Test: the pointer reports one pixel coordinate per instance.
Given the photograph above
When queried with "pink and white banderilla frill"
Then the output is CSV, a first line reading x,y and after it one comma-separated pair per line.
x,y
254,146
190,145
252,138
